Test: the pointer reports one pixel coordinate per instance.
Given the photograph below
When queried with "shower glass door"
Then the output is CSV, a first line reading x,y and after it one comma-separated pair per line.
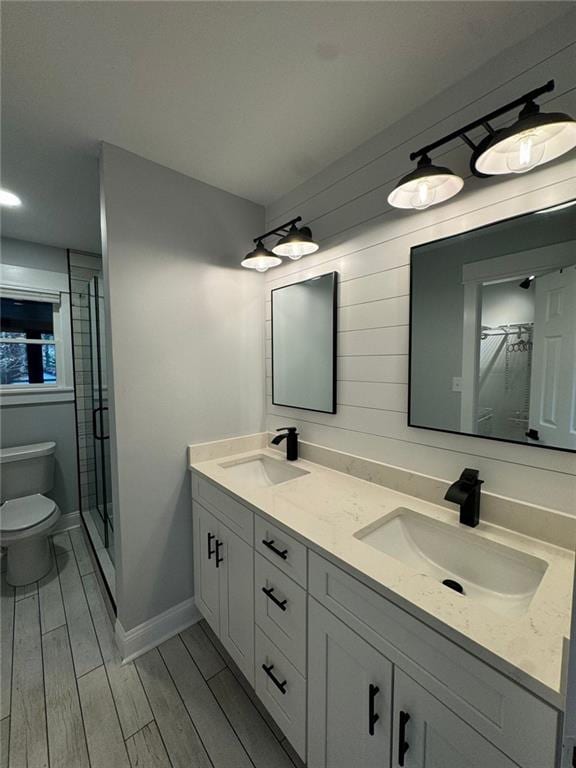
x,y
102,512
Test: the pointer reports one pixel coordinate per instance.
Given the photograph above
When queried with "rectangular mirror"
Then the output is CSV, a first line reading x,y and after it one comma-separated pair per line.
x,y
493,331
304,344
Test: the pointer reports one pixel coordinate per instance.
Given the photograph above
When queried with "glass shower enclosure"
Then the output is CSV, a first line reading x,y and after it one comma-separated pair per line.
x,y
102,509
92,407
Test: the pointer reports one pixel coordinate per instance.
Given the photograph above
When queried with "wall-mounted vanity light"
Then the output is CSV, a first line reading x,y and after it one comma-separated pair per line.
x,y
294,243
534,139
260,259
427,185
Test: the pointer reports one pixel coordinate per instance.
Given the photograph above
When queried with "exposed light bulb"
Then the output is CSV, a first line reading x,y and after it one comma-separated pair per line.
x,y
261,269
527,153
424,195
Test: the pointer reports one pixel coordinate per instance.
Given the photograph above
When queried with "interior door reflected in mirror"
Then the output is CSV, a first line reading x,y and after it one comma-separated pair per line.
x,y
493,331
304,344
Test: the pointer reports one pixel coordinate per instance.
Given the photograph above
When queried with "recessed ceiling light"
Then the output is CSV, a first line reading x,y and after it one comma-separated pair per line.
x,y
9,199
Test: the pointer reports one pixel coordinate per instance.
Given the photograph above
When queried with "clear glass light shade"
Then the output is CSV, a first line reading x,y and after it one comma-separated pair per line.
x,y
9,199
531,141
297,243
426,186
260,259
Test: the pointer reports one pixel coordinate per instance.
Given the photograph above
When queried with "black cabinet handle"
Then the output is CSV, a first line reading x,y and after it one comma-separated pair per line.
x,y
218,558
373,716
281,686
403,745
210,550
283,553
269,592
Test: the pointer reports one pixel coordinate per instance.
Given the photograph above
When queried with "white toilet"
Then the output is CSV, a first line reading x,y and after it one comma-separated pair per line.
x,y
26,517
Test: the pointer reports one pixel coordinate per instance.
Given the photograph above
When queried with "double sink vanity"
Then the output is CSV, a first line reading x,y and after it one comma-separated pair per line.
x,y
375,629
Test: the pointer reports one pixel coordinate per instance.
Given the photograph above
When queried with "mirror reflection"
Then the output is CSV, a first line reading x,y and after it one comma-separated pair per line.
x,y
304,344
493,331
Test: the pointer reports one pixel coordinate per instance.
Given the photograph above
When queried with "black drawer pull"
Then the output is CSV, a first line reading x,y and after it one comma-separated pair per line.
x,y
218,558
373,716
210,550
403,745
283,553
269,592
281,686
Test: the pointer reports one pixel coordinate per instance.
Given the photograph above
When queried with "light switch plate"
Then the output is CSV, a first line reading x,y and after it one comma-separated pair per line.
x,y
457,384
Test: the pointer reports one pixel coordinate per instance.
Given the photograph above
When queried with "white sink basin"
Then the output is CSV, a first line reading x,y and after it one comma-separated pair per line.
x,y
262,471
497,576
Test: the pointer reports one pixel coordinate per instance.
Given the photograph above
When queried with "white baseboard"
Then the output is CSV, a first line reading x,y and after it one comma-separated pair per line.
x,y
68,521
136,641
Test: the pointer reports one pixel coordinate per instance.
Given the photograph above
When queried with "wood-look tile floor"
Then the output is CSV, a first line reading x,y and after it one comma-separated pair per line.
x,y
66,701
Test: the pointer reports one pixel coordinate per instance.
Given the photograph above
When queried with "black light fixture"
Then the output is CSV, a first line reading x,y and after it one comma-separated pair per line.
x,y
294,243
427,185
297,243
260,259
534,139
527,282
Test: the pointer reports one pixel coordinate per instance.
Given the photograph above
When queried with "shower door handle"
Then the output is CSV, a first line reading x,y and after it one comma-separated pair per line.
x,y
100,409
94,424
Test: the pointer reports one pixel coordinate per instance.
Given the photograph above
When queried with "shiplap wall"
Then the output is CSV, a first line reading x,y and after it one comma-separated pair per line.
x,y
369,243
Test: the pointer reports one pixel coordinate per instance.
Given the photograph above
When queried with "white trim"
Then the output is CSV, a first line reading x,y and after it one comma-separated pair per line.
x,y
67,522
144,637
27,294
36,395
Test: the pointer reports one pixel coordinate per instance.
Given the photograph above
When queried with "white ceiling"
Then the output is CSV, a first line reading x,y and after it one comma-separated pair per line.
x,y
253,97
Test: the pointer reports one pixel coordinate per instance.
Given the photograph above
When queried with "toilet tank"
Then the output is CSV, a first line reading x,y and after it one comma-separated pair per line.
x,y
26,469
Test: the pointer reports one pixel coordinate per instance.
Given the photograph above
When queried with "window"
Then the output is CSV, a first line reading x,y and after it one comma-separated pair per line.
x,y
35,336
27,343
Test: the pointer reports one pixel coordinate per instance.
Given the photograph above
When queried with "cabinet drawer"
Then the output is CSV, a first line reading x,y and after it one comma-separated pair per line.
x,y
236,516
517,722
281,611
281,549
282,690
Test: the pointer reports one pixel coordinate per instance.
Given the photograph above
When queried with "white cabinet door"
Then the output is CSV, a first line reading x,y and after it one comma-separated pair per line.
x,y
349,697
428,735
236,569
553,386
206,576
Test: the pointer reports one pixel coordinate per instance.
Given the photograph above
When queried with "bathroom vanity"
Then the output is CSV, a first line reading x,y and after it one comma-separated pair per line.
x,y
360,653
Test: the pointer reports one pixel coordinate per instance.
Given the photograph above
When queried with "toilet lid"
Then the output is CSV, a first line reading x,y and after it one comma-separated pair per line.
x,y
19,514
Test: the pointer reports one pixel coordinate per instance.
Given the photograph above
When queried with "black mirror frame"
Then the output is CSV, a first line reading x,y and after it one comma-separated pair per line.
x,y
334,276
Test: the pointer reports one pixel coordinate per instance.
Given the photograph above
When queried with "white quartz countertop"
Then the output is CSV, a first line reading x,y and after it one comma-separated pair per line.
x,y
325,508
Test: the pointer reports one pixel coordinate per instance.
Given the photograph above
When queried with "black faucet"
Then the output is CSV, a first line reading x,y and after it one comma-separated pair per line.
x,y
291,436
466,493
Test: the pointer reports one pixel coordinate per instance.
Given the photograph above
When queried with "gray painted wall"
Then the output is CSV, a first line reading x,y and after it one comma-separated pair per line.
x,y
24,424
37,423
186,346
23,253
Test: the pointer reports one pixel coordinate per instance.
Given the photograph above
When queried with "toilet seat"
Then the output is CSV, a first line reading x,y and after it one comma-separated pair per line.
x,y
27,516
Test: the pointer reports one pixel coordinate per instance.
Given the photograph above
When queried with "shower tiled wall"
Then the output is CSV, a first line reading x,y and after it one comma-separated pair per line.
x,y
82,269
